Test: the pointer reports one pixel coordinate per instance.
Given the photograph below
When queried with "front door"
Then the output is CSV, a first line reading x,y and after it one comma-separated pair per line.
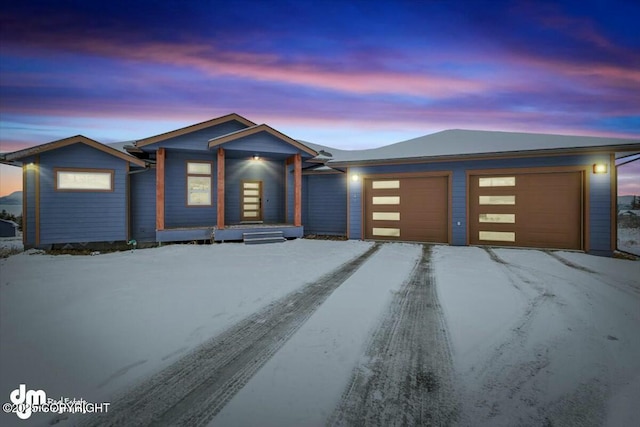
x,y
251,202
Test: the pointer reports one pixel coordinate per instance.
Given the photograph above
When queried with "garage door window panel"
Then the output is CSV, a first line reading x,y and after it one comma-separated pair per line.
x,y
497,236
497,200
385,185
497,181
497,218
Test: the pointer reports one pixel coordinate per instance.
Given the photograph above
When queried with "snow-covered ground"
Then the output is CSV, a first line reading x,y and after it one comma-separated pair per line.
x,y
87,326
10,245
629,240
535,337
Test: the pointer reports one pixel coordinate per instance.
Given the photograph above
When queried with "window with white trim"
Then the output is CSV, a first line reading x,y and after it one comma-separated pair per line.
x,y
83,180
199,184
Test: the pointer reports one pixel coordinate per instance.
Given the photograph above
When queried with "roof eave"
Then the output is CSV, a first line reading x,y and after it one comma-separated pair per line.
x,y
77,139
474,156
216,142
193,128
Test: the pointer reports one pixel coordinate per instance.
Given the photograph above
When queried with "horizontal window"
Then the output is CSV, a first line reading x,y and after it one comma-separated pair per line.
x,y
498,236
250,207
197,168
252,185
199,190
250,214
386,232
386,200
378,185
251,199
84,180
498,218
497,181
251,192
497,200
386,216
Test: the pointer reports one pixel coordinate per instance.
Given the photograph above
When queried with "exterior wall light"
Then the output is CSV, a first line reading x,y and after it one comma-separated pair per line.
x,y
600,168
355,177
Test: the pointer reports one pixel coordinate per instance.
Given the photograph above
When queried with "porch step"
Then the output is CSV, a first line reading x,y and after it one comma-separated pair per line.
x,y
263,237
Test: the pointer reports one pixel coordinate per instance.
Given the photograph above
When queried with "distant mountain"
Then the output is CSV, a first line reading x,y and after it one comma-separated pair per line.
x,y
14,198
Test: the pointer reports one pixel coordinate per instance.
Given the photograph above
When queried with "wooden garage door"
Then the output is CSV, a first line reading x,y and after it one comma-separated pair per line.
x,y
407,209
542,210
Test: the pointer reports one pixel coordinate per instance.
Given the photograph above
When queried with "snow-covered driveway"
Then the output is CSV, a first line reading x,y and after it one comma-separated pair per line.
x,y
526,337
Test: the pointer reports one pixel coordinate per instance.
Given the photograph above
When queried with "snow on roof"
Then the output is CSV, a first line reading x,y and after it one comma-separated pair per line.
x,y
460,142
9,222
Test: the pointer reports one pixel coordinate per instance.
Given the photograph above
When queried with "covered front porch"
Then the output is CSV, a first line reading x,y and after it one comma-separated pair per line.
x,y
252,181
230,233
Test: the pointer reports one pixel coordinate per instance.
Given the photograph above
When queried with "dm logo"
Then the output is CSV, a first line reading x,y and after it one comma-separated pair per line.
x,y
24,400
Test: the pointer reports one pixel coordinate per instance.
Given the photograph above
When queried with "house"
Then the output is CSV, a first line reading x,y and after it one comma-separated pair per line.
x,y
8,228
231,179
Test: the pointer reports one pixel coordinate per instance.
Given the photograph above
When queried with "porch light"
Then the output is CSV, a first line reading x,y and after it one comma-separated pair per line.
x,y
600,168
355,177
256,157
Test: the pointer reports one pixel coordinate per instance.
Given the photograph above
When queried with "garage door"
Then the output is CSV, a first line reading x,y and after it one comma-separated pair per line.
x,y
407,209
542,210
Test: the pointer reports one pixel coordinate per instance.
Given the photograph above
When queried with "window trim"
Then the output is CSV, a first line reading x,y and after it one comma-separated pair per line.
x,y
198,175
56,181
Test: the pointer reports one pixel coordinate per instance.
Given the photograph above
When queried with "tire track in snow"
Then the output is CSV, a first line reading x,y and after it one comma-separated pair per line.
x,y
194,389
407,376
515,377
631,287
507,379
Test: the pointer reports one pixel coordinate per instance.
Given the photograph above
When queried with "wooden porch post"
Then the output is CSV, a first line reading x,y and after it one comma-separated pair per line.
x,y
220,189
297,190
160,158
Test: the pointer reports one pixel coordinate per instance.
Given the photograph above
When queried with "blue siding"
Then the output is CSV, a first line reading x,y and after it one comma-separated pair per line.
x,y
599,192
77,217
30,198
198,140
324,208
355,204
7,229
177,213
270,172
290,177
600,220
261,143
143,206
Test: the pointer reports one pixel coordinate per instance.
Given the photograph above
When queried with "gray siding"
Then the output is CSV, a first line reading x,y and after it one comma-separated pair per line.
x,y
78,217
177,213
143,206
324,209
270,172
599,192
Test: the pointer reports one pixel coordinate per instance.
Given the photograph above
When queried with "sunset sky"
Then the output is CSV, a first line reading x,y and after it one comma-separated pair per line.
x,y
348,74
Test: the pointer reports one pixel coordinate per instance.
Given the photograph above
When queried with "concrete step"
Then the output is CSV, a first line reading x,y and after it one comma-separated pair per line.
x,y
263,237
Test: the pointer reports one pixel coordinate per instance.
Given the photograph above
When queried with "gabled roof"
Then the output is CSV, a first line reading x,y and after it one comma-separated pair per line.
x,y
78,139
194,128
474,143
257,129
